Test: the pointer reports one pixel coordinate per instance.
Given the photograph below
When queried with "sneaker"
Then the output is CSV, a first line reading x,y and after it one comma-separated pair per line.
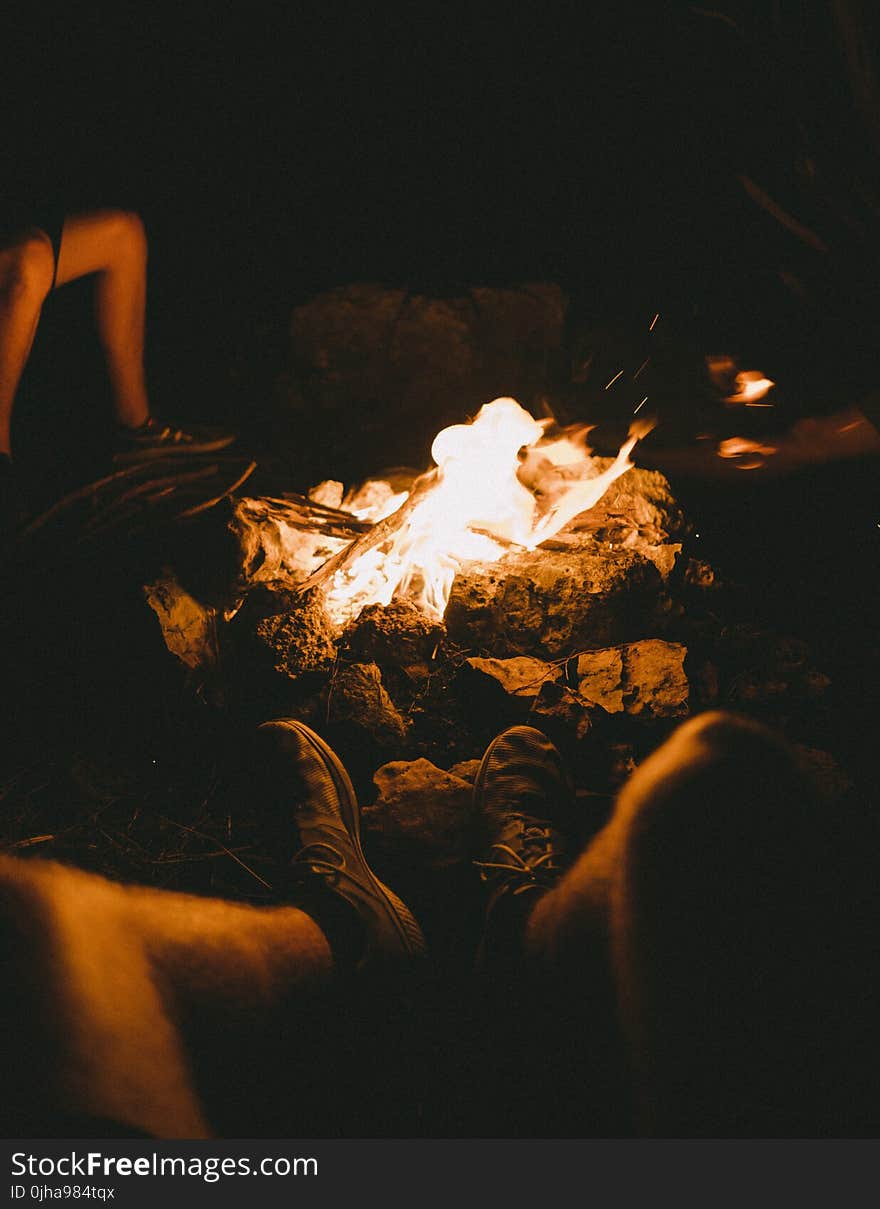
x,y
327,821
155,439
525,801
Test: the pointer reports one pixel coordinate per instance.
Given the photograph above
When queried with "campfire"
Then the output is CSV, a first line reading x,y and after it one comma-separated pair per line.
x,y
411,617
498,483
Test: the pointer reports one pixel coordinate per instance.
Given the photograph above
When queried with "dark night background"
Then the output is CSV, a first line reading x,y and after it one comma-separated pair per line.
x,y
272,155
276,152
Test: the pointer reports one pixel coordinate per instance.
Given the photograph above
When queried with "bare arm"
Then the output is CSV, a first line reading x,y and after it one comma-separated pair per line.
x,y
811,441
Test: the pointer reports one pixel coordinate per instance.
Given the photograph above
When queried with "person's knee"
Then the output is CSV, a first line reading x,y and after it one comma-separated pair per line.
x,y
721,731
126,231
27,269
712,748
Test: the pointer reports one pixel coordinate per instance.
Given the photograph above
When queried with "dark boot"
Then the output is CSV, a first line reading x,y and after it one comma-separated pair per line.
x,y
349,898
525,801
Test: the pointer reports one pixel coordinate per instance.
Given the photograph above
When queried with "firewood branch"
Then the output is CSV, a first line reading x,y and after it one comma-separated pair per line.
x,y
379,533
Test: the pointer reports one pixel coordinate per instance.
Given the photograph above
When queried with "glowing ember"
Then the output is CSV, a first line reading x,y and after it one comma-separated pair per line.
x,y
751,386
749,455
498,482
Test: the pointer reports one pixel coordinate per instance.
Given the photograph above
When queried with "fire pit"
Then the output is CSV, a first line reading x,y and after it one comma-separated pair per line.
x,y
411,617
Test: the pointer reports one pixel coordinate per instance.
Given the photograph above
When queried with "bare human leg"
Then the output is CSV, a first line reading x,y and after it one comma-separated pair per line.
x,y
122,997
179,1016
112,245
26,268
706,900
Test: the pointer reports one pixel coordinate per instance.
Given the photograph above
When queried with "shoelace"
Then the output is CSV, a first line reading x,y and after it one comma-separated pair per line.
x,y
333,867
532,868
175,436
163,434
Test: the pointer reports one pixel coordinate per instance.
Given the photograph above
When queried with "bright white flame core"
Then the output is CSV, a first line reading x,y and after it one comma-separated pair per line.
x,y
751,385
479,506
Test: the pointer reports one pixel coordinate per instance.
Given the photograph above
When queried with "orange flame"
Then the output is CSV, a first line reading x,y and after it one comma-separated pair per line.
x,y
487,497
751,385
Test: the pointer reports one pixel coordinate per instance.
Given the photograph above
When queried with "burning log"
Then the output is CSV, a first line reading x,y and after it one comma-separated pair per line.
x,y
482,499
196,509
375,536
344,620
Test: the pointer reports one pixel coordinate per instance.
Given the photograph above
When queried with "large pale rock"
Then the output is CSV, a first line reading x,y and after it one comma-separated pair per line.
x,y
640,678
600,679
188,627
422,812
273,550
655,684
640,504
522,676
551,602
638,512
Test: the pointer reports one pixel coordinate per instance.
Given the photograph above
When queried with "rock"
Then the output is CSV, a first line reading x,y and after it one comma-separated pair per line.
x,y
562,707
622,764
644,679
699,574
655,684
663,557
398,634
466,770
187,626
386,354
422,812
600,679
705,684
521,676
551,601
539,686
330,493
640,504
298,640
773,671
357,699
638,512
272,549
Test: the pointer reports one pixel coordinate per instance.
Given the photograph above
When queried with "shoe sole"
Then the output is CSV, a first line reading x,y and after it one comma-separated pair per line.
x,y
482,771
525,732
172,451
404,921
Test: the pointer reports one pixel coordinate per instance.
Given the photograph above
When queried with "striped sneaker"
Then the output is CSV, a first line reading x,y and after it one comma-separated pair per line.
x,y
524,798
310,777
155,439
